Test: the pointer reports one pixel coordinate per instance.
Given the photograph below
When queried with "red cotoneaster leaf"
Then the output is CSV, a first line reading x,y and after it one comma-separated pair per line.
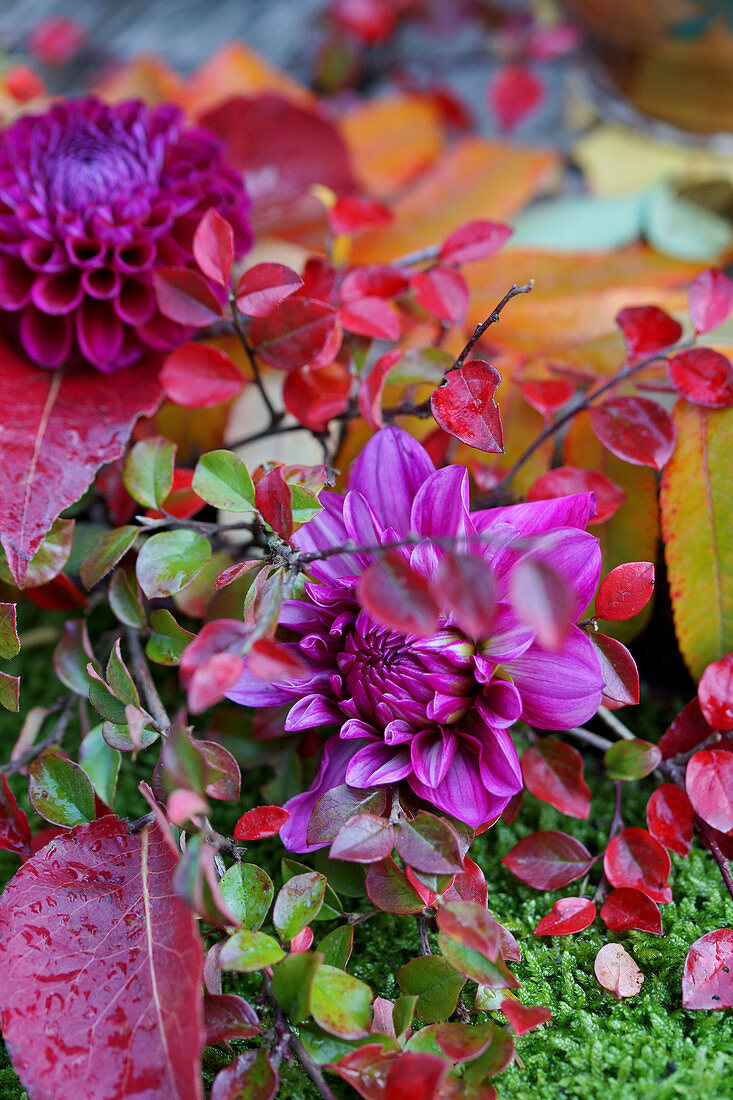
x,y
476,240
370,21
625,591
227,1017
513,93
372,317
687,731
15,833
107,929
635,858
568,480
353,213
707,979
294,334
249,1077
199,376
617,972
270,660
547,396
415,1077
567,916
373,281
548,859
260,822
213,247
647,329
711,299
635,429
263,287
464,586
185,297
619,671
524,1018
398,597
715,692
627,908
274,501
463,405
671,818
553,771
314,397
703,376
371,388
366,1069
542,598
709,783
443,292
42,412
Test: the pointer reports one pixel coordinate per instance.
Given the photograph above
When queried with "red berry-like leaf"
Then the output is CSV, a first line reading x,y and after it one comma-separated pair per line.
x,y
295,334
687,731
415,1077
398,597
619,671
513,93
671,818
524,1018
635,858
213,247
715,692
105,911
199,376
355,213
707,979
547,396
372,387
711,299
228,1017
15,833
463,405
703,376
260,822
542,598
263,287
548,860
647,329
314,397
369,21
443,292
372,317
270,660
476,240
567,916
635,429
464,586
709,783
568,480
553,771
627,908
274,502
625,591
373,281
185,297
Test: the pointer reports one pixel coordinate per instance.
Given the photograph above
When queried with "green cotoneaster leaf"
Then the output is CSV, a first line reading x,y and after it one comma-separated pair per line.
x,y
298,903
697,527
340,1003
247,951
248,892
60,791
101,763
148,472
168,562
291,983
167,639
222,479
106,553
9,643
435,984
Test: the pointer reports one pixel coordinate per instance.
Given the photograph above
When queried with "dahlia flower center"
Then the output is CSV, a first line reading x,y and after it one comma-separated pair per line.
x,y
91,169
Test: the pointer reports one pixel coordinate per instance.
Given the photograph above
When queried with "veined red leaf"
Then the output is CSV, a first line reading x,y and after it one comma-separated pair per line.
x,y
373,281
263,287
715,693
353,213
567,916
513,93
227,1017
617,972
443,292
464,586
314,397
625,591
524,1018
463,405
542,599
185,297
274,502
372,317
568,480
260,822
364,838
671,818
548,859
122,885
687,731
647,329
41,411
415,1076
270,660
294,334
389,890
398,597
372,386
627,908
709,783
249,1076
619,671
635,429
635,858
199,376
15,833
703,376
547,396
707,979
711,299
553,772
213,247
211,680
366,1069
476,240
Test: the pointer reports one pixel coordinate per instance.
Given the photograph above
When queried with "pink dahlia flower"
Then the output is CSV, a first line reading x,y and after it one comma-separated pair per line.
x,y
431,712
92,199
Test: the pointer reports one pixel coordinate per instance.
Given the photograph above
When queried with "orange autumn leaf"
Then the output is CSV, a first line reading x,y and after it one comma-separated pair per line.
x,y
392,140
474,178
146,77
234,70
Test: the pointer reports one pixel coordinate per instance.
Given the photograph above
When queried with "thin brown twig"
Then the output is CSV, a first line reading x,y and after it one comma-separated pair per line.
x,y
491,320
275,417
49,741
142,675
286,1038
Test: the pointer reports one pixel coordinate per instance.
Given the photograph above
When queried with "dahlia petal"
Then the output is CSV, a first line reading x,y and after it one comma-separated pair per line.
x,y
397,732
501,705
46,339
377,764
16,282
462,792
576,557
355,727
299,615
99,332
323,532
360,522
540,516
331,773
136,302
57,294
509,637
499,763
250,691
440,507
102,283
311,710
445,709
560,689
431,753
389,472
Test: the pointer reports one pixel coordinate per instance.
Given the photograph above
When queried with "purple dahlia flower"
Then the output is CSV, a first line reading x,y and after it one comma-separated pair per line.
x,y
431,712
92,199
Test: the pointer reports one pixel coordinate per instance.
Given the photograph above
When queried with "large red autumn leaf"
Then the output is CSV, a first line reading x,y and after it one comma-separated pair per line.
x,y
100,993
56,429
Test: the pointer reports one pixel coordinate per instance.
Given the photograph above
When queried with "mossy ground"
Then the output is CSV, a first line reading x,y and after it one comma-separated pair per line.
x,y
597,1048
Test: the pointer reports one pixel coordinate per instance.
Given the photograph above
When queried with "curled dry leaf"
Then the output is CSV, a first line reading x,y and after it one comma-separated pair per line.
x,y
617,972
